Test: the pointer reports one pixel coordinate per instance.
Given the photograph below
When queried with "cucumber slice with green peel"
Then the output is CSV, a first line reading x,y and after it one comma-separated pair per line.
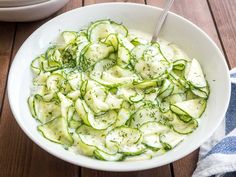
x,y
101,155
56,130
84,148
193,108
117,75
99,30
201,92
145,84
66,103
75,80
55,82
153,127
179,64
41,79
69,36
95,98
103,121
170,139
83,111
119,28
166,89
113,102
74,95
151,68
175,98
45,111
137,52
194,74
144,115
122,117
31,104
36,64
125,42
74,124
182,127
123,56
126,140
111,40
96,52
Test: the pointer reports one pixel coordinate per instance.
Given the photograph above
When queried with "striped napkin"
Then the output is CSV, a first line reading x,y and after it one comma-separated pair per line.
x,y
217,156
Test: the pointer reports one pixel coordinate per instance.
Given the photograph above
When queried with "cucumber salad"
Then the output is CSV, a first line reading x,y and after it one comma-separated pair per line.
x,y
113,95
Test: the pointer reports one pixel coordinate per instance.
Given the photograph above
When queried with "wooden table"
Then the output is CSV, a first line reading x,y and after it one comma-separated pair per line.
x,y
20,157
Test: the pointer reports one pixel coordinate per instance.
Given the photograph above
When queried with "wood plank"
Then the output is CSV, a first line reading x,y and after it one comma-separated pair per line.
x,y
19,155
198,12
89,2
163,171
224,13
7,31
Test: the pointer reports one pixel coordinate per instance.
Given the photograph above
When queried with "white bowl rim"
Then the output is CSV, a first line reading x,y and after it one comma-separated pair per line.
x,y
46,2
116,166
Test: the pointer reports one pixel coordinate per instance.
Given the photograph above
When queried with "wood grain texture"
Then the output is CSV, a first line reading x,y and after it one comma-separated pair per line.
x,y
89,2
163,171
7,32
19,156
199,13
224,13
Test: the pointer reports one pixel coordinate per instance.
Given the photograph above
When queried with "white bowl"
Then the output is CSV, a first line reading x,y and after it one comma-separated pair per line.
x,y
31,12
176,29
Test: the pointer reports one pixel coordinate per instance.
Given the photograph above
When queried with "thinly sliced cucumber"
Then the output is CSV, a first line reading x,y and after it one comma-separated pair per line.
x,y
75,80
153,127
69,36
101,155
193,108
122,117
84,148
74,95
144,115
56,130
179,64
92,136
41,79
117,75
137,52
201,92
123,56
36,64
119,28
65,104
194,74
170,139
96,52
126,139
150,68
113,102
184,127
166,89
74,124
45,111
54,82
31,104
95,98
111,40
83,111
175,98
145,84
125,42
99,30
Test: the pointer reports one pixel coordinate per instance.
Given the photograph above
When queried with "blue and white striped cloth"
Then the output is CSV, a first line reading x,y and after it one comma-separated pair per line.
x,y
217,156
